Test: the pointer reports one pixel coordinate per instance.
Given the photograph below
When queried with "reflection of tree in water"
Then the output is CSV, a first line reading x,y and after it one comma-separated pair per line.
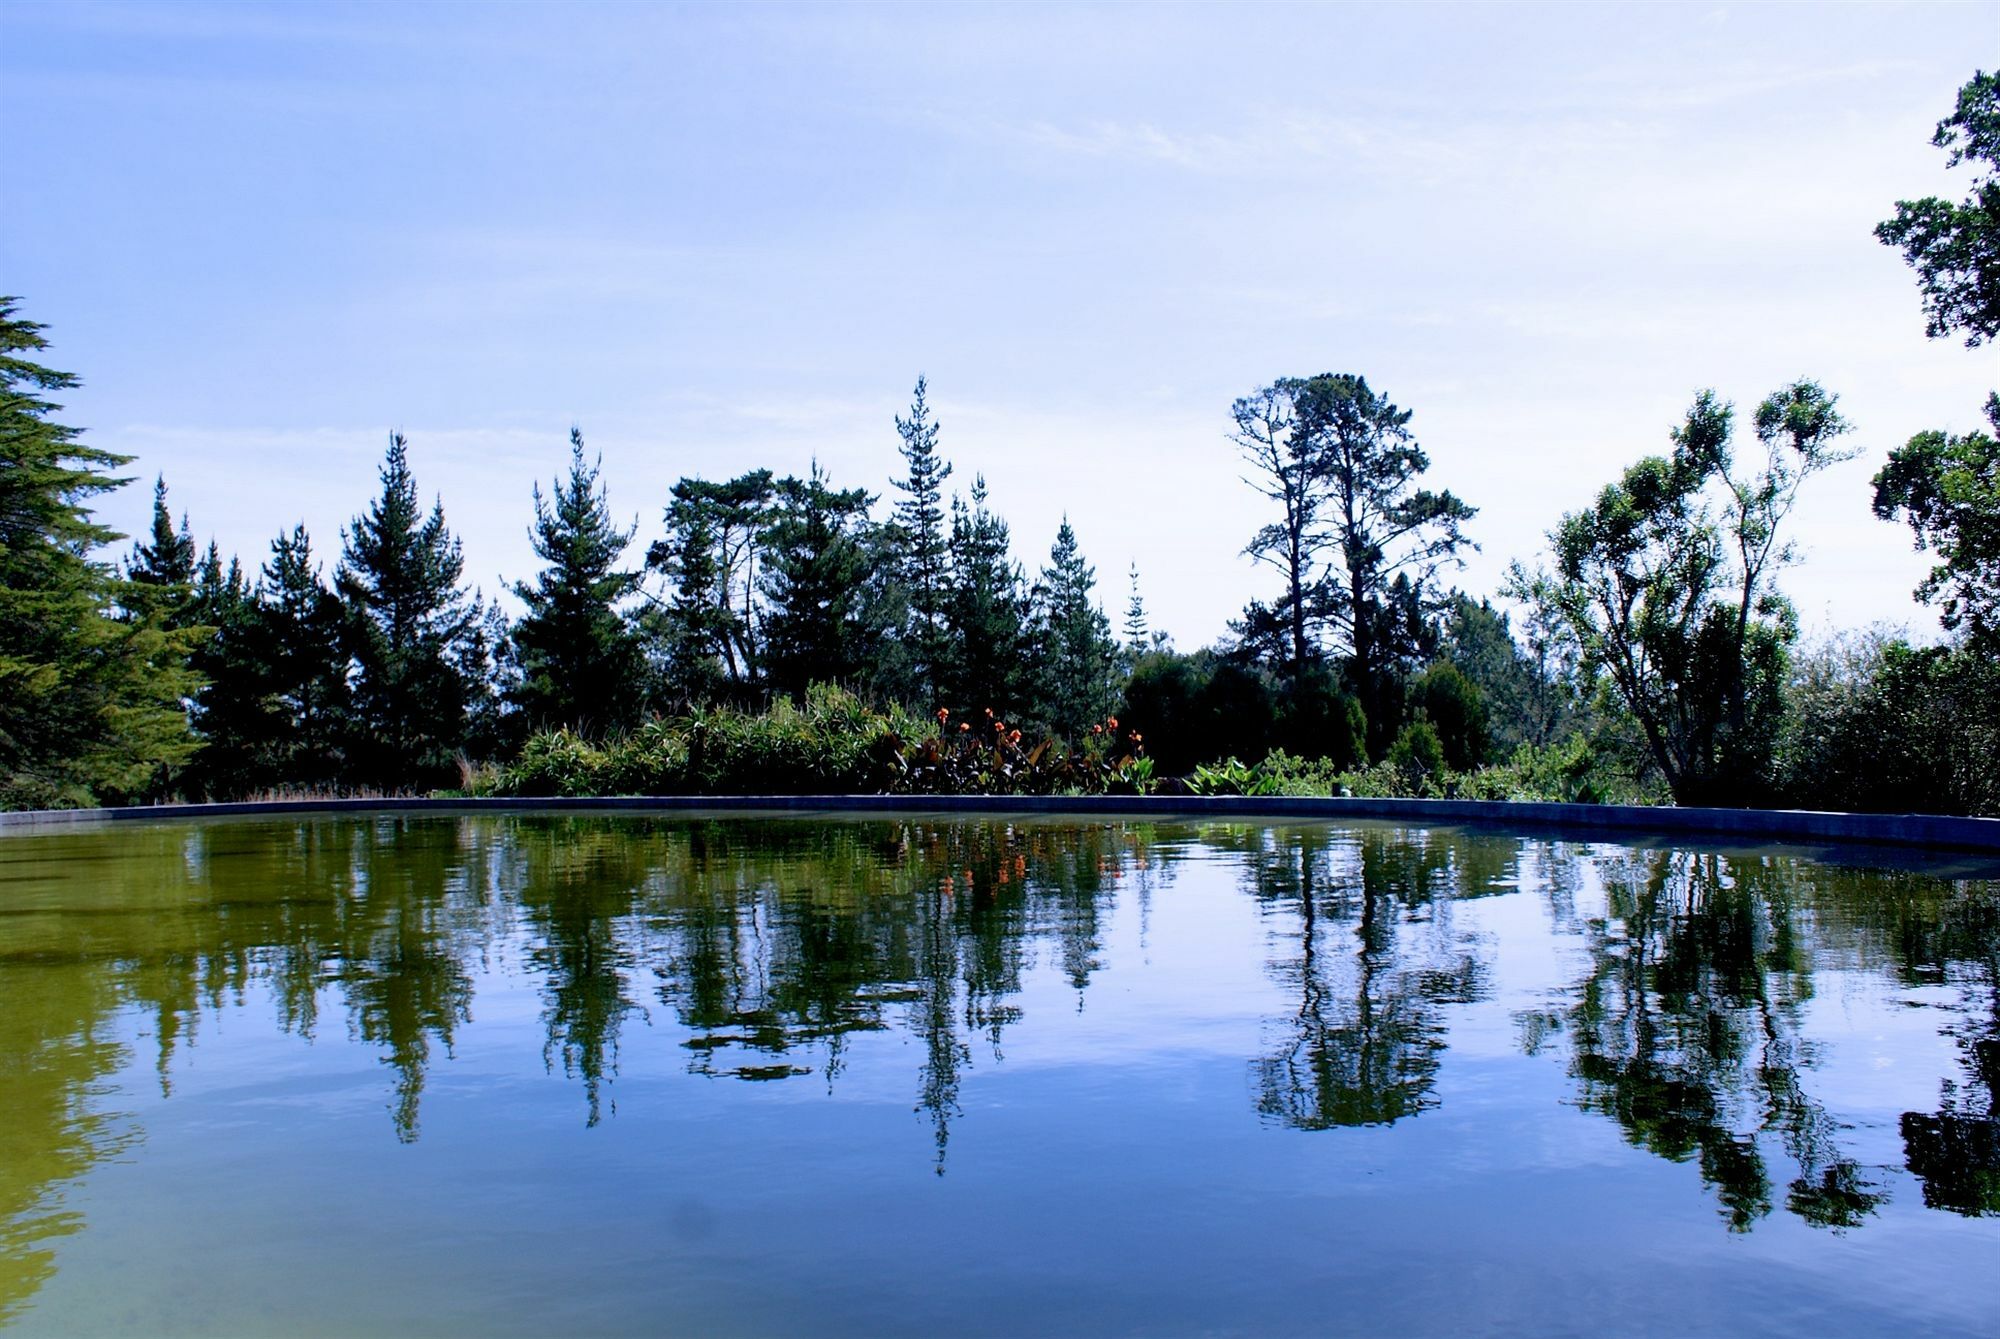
x,y
1955,1151
1377,960
781,941
1688,1030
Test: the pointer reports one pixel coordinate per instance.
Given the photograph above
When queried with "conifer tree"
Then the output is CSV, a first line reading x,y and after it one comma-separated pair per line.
x,y
409,628
687,629
1137,640
162,571
1074,656
815,572
578,656
926,544
240,727
90,705
984,612
300,627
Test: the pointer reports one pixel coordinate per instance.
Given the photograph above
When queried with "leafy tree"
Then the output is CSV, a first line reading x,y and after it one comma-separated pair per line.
x,y
1286,466
90,705
815,572
985,612
689,628
1675,600
410,630
1947,488
1456,712
1074,656
926,543
1955,248
579,657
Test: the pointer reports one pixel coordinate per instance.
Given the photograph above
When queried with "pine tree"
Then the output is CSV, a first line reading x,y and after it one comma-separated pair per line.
x,y
239,723
90,704
578,655
984,612
1137,640
687,629
1074,656
300,628
815,572
926,544
162,571
408,628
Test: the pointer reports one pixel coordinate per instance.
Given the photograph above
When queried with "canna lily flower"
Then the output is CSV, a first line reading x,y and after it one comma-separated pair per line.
x,y
1112,722
964,725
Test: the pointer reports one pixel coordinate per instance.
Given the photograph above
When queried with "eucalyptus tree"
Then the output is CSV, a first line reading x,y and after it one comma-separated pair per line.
x,y
578,655
1667,585
920,522
90,703
411,629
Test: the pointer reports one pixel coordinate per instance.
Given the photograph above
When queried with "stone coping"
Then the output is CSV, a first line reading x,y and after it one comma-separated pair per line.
x,y
1931,832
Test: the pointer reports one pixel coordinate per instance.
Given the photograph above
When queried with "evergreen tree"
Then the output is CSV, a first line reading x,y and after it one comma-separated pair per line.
x,y
984,612
688,629
90,705
1137,640
815,572
408,628
730,520
1074,656
162,571
300,627
240,725
926,544
578,656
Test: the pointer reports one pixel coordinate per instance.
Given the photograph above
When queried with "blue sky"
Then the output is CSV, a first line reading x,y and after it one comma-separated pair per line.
x,y
717,237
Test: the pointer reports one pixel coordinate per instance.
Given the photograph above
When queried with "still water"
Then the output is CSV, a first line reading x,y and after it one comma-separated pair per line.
x,y
592,1074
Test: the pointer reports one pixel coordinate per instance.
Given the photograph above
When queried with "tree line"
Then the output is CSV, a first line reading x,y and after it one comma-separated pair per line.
x,y
1650,652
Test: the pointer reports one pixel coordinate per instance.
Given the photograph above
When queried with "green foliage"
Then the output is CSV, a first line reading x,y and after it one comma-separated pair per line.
x,y
1666,585
815,576
925,556
1455,710
1417,754
985,613
90,703
1955,248
1875,725
1073,658
705,631
1948,489
412,632
579,658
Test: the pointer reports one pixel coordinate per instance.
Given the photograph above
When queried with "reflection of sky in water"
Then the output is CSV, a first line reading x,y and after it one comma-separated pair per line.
x,y
518,1075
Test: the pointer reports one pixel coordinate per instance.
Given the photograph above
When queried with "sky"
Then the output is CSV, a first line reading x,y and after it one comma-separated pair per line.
x,y
717,238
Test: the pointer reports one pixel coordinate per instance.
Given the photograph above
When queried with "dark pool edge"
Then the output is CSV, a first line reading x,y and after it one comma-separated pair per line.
x,y
1928,831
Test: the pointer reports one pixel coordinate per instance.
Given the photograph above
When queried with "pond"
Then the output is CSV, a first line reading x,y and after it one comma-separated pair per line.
x,y
534,1074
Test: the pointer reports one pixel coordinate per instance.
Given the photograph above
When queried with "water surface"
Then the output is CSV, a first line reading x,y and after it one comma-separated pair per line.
x,y
525,1074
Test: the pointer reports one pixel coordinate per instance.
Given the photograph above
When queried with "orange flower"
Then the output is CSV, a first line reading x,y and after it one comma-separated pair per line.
x,y
944,713
989,711
965,725
1112,722
1137,737
1097,729
1013,736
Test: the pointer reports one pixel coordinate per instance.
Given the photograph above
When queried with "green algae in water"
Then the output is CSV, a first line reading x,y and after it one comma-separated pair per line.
x,y
531,1074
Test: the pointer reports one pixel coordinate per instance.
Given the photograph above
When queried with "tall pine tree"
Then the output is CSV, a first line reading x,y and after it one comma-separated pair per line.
x,y
926,543
300,635
816,571
410,630
161,569
1075,660
90,704
984,612
579,658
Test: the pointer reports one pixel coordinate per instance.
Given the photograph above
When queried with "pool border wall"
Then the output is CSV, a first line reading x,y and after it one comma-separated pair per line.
x,y
1927,831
